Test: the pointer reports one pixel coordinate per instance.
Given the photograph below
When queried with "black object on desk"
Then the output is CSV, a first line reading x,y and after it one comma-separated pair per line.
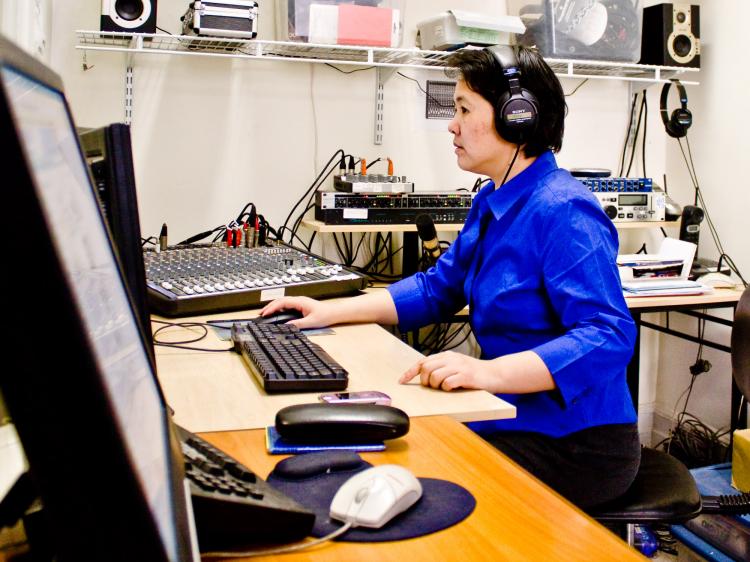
x,y
341,423
232,505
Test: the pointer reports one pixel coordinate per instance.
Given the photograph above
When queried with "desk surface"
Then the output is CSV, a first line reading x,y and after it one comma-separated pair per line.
x,y
217,392
719,298
516,518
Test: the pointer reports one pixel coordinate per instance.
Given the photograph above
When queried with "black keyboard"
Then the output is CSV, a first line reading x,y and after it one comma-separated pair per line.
x,y
232,505
283,359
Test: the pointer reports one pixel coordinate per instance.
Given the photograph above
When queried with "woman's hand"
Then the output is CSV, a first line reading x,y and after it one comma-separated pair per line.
x,y
316,314
449,370
516,373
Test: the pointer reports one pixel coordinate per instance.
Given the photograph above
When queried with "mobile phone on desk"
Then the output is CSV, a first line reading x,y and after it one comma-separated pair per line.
x,y
362,397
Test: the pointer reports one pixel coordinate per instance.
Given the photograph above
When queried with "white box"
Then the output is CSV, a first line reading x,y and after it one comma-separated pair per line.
x,y
457,28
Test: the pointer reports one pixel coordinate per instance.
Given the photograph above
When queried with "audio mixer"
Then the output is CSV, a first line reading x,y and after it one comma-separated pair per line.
x,y
184,280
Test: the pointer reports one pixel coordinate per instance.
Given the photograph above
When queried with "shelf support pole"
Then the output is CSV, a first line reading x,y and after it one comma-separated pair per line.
x,y
382,74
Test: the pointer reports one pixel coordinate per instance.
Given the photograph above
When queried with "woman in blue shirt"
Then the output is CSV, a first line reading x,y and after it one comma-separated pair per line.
x,y
535,262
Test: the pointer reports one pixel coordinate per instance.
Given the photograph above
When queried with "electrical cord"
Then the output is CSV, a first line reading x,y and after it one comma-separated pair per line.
x,y
698,199
282,549
627,134
637,130
436,101
576,88
691,440
183,344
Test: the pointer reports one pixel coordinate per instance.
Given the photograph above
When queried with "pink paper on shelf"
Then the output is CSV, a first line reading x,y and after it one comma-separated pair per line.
x,y
365,25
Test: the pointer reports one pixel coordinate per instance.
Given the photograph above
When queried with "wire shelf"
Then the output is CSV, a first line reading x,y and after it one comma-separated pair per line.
x,y
347,55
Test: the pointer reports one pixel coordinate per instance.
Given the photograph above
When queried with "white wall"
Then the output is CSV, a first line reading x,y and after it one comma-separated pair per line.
x,y
212,134
28,23
720,148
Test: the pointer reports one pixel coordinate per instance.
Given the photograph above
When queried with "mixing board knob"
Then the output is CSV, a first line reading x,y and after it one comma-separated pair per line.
x,y
219,287
209,288
188,290
296,278
286,278
166,285
276,280
198,289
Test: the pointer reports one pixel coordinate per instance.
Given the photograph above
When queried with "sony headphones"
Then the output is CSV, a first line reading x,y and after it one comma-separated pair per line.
x,y
679,122
517,110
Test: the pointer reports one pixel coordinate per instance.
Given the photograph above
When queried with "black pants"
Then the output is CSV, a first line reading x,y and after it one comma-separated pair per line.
x,y
588,467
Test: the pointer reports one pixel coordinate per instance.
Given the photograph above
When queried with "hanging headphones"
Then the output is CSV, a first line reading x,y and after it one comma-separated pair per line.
x,y
679,122
517,110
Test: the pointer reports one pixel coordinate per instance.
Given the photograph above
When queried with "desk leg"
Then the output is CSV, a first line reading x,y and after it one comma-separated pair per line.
x,y
738,418
410,254
634,367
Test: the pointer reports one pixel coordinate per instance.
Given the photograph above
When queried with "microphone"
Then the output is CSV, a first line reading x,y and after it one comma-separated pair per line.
x,y
428,236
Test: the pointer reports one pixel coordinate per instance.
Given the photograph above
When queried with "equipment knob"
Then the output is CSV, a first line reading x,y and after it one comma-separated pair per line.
x,y
611,211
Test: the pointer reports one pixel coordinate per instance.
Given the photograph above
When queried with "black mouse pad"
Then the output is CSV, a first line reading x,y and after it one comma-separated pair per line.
x,y
313,479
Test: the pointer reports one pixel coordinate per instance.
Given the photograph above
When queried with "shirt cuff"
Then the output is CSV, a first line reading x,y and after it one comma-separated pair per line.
x,y
407,296
556,355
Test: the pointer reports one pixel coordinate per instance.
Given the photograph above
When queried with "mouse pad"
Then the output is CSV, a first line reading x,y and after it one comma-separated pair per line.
x,y
313,479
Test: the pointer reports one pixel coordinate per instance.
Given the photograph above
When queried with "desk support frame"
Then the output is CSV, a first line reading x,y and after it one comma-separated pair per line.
x,y
738,407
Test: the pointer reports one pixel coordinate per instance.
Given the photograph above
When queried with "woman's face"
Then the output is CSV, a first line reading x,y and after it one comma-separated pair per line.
x,y
479,147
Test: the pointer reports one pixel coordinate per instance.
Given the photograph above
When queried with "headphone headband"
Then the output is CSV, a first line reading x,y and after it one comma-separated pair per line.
x,y
516,113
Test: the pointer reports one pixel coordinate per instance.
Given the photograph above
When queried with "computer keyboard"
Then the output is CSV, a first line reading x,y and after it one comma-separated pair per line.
x,y
283,359
232,505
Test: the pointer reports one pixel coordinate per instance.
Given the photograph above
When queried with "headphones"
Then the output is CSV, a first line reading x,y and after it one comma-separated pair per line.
x,y
679,122
517,110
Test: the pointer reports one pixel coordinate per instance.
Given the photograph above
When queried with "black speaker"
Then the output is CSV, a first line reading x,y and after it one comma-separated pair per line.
x,y
671,35
138,16
690,228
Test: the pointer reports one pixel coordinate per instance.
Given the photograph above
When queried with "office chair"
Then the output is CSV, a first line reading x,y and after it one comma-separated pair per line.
x,y
664,491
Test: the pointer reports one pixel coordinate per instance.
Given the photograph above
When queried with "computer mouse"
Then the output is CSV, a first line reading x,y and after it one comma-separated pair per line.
x,y
374,496
718,280
280,317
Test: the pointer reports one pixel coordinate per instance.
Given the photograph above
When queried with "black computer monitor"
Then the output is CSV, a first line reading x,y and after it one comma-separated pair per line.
x,y
76,378
109,154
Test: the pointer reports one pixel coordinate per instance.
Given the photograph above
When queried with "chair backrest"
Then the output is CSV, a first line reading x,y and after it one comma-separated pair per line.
x,y
741,344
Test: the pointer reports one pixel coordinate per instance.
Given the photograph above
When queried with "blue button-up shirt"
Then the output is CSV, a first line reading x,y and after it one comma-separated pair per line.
x,y
536,263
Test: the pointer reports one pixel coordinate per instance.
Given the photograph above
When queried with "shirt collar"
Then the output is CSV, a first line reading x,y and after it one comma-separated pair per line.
x,y
500,200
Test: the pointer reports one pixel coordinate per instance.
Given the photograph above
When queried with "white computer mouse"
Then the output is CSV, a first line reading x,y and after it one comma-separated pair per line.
x,y
374,496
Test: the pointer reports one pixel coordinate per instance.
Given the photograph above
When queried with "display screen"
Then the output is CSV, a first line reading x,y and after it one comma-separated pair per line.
x,y
80,239
633,199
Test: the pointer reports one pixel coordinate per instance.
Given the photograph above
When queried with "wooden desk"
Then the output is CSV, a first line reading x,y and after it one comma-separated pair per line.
x,y
516,517
217,392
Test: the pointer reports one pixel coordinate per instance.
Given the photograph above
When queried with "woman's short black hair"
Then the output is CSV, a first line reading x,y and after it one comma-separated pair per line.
x,y
483,74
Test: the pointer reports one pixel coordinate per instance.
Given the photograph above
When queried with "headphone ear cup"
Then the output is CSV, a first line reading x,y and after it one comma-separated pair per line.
x,y
516,116
679,123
